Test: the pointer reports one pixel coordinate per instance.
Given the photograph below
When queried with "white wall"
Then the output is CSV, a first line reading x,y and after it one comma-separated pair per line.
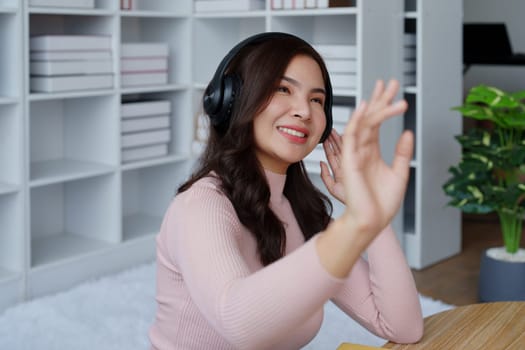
x,y
512,13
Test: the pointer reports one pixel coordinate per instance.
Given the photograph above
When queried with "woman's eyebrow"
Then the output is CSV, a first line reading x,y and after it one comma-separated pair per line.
x,y
297,83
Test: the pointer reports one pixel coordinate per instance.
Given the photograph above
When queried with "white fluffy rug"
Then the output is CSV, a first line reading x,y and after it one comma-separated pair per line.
x,y
115,312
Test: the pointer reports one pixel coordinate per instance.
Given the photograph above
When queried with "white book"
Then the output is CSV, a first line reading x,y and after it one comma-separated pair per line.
x,y
144,108
142,124
341,65
71,82
228,5
139,153
299,4
145,138
69,55
70,42
341,114
143,64
288,4
277,4
144,50
339,127
87,4
336,51
143,79
310,4
316,155
70,67
322,4
343,80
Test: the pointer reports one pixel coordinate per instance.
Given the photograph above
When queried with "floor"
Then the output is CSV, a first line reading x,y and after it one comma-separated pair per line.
x,y
455,280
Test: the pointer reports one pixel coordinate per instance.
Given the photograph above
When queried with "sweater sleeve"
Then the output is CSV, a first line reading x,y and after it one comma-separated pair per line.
x,y
247,308
381,293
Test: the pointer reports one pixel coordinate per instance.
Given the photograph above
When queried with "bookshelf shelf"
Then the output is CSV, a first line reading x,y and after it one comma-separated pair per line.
x,y
58,247
6,188
70,12
62,170
316,12
72,209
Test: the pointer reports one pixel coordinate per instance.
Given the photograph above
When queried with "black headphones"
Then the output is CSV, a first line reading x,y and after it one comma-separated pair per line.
x,y
222,90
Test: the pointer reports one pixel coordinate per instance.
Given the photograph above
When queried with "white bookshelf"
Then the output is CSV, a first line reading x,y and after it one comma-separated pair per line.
x,y
432,231
71,210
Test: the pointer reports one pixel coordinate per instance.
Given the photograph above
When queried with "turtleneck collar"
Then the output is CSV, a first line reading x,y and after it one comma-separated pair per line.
x,y
276,183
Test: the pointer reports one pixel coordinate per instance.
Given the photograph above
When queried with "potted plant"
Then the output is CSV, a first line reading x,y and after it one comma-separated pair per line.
x,y
490,177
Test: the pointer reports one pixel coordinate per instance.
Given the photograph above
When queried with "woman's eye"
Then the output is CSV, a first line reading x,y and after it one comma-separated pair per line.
x,y
318,100
283,89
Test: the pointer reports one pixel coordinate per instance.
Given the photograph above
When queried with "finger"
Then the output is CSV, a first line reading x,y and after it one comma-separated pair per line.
x,y
388,111
326,177
331,154
337,141
377,91
385,97
403,155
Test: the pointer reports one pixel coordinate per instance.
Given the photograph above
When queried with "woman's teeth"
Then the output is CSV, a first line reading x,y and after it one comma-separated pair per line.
x,y
292,132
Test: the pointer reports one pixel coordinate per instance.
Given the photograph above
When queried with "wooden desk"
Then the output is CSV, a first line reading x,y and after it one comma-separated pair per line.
x,y
491,326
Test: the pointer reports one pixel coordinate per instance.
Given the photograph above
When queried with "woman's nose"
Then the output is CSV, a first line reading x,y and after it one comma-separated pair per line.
x,y
301,108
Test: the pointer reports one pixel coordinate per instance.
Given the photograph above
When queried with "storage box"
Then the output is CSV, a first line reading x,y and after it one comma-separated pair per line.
x,y
144,108
144,50
228,5
143,64
71,82
70,42
145,138
336,51
141,153
87,4
69,55
341,114
341,65
146,123
49,68
343,80
143,79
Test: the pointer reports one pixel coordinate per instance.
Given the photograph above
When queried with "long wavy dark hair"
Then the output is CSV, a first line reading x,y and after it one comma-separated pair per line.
x,y
230,154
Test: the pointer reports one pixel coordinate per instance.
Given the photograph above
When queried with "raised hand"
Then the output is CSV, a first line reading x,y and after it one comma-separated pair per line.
x,y
371,189
333,180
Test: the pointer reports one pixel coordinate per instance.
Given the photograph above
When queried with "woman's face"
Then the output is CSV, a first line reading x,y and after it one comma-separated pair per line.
x,y
292,123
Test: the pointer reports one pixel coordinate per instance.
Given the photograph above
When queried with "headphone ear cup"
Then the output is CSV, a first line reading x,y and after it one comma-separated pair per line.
x,y
219,103
212,100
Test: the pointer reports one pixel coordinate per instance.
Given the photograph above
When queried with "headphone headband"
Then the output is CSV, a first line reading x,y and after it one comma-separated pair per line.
x,y
223,89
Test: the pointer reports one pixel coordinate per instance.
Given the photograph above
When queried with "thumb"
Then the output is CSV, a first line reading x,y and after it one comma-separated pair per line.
x,y
403,156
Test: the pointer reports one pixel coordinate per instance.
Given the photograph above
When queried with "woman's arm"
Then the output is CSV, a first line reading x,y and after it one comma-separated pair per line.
x,y
380,292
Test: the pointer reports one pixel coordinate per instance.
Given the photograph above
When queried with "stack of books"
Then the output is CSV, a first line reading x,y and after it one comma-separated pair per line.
x,y
143,64
309,4
70,62
228,5
145,129
83,4
341,62
409,59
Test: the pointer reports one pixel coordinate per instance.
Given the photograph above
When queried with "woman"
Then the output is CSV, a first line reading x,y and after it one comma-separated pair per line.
x,y
248,253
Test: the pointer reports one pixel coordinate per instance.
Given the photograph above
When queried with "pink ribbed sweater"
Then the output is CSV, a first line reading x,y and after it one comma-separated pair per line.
x,y
213,293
